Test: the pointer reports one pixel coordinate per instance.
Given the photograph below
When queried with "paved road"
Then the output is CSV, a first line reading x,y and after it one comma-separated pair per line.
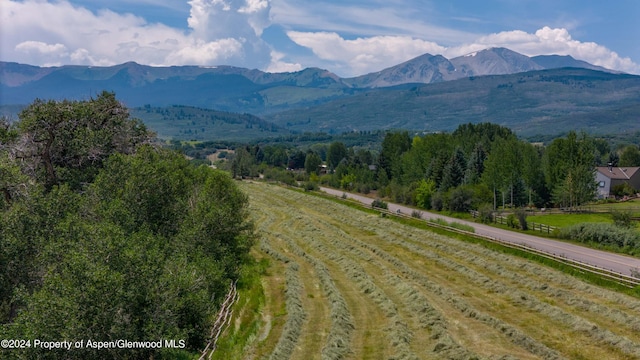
x,y
602,259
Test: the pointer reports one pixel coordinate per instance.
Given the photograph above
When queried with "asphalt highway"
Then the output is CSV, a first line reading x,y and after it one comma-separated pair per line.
x,y
602,259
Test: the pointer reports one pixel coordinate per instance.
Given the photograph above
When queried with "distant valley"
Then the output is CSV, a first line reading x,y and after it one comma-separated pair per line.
x,y
531,95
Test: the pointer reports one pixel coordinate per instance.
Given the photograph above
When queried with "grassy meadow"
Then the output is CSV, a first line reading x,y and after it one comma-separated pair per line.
x,y
562,220
332,282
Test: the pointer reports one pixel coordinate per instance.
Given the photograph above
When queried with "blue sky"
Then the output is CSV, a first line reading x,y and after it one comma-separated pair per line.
x,y
347,37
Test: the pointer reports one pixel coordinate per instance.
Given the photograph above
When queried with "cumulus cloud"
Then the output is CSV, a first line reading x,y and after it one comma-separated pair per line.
x,y
52,33
42,48
363,55
45,53
201,52
549,41
277,64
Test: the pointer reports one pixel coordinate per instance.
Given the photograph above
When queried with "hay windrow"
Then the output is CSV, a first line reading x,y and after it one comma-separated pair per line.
x,y
446,346
342,325
551,282
421,287
529,300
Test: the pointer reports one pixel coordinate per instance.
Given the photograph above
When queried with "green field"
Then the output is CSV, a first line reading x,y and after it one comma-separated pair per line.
x,y
342,283
562,220
631,205
597,213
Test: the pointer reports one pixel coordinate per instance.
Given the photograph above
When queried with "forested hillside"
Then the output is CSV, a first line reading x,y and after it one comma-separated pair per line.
x,y
190,123
105,237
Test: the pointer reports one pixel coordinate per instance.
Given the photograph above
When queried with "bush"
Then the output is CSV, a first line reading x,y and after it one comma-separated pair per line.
x,y
280,175
310,186
623,190
416,214
511,221
363,188
622,219
423,193
521,214
601,233
460,199
485,214
378,203
437,201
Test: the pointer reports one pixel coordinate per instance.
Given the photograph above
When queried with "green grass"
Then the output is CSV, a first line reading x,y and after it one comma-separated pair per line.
x,y
562,220
453,224
246,312
631,205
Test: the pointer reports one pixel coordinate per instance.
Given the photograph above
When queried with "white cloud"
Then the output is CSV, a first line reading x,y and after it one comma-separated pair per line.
x,y
254,6
277,64
367,19
363,55
43,53
200,52
42,48
231,18
43,32
547,41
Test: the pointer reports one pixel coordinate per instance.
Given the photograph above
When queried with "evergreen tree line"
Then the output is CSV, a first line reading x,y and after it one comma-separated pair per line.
x,y
485,163
104,236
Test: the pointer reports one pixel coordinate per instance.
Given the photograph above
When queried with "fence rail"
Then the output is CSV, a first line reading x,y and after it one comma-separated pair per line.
x,y
500,219
223,320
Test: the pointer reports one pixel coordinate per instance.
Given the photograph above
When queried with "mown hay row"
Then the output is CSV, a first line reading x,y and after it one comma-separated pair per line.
x,y
530,301
577,322
578,304
339,338
295,315
338,341
397,330
267,249
428,316
516,336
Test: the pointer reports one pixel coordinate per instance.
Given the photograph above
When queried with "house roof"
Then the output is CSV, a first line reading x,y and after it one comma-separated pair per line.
x,y
618,173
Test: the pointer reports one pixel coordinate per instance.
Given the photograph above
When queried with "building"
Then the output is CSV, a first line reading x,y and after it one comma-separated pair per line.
x,y
608,177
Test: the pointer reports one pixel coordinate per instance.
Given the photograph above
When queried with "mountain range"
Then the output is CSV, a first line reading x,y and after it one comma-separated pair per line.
x,y
487,85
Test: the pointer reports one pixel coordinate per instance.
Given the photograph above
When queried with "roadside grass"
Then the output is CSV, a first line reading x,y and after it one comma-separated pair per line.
x,y
453,224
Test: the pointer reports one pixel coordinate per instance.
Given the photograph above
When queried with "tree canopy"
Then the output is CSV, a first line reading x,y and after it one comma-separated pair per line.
x,y
114,238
